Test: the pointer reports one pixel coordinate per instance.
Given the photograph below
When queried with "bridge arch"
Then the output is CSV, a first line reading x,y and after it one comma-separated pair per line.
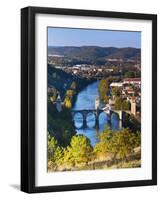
x,y
78,119
90,119
83,116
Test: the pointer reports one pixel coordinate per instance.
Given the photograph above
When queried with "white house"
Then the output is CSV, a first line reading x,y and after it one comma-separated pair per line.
x,y
116,84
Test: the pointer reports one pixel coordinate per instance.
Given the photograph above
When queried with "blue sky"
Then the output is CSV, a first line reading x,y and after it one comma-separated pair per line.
x,y
88,37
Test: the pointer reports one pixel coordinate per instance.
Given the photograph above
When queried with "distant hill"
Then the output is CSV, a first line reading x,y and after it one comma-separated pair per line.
x,y
94,54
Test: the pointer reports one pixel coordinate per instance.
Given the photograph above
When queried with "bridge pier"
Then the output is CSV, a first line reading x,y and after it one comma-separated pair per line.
x,y
84,123
109,121
96,122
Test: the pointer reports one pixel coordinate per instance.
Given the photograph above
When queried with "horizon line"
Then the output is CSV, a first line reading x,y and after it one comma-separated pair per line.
x,y
94,46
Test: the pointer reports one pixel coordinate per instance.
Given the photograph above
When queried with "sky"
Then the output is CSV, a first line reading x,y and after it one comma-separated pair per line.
x,y
88,37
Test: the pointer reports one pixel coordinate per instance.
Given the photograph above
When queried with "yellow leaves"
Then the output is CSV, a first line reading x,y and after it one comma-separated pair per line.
x,y
70,93
68,98
67,102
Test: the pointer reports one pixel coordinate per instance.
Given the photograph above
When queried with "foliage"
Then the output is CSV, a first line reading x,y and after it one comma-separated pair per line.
x,y
70,93
55,152
123,142
103,90
104,137
121,104
67,102
52,94
116,91
119,143
79,151
69,96
60,125
130,74
92,55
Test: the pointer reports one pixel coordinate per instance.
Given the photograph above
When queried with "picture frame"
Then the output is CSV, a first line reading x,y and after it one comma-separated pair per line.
x,y
30,38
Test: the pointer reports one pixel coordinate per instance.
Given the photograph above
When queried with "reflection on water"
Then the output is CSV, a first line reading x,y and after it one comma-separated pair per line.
x,y
86,100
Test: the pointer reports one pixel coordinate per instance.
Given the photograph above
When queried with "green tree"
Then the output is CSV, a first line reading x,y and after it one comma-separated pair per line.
x,y
118,143
118,103
123,143
103,90
121,104
79,151
126,105
55,153
116,91
130,74
102,146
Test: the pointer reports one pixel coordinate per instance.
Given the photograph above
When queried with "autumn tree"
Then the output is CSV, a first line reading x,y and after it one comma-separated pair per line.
x,y
121,104
123,142
117,143
103,90
70,93
55,152
102,146
67,102
79,150
116,91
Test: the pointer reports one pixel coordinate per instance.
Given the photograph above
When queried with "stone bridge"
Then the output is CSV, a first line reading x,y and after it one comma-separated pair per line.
x,y
96,113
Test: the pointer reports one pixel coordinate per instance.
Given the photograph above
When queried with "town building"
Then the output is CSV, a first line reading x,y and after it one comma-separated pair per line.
x,y
117,84
133,81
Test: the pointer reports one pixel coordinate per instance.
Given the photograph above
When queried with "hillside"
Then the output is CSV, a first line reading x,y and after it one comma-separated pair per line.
x,y
93,54
62,81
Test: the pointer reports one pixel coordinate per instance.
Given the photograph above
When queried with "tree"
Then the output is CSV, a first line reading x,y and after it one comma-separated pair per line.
x,y
116,91
103,90
67,102
121,104
130,74
118,143
55,153
123,143
79,151
126,105
118,103
70,93
104,137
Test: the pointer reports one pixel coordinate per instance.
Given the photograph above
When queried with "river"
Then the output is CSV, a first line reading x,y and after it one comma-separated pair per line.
x,y
86,100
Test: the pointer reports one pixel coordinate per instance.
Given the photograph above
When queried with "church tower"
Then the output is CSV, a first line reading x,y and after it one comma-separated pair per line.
x,y
59,104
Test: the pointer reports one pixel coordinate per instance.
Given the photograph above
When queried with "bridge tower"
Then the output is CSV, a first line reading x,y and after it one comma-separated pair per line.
x,y
97,103
120,119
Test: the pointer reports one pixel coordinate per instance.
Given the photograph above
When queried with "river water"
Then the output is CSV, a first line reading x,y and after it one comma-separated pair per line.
x,y
86,100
